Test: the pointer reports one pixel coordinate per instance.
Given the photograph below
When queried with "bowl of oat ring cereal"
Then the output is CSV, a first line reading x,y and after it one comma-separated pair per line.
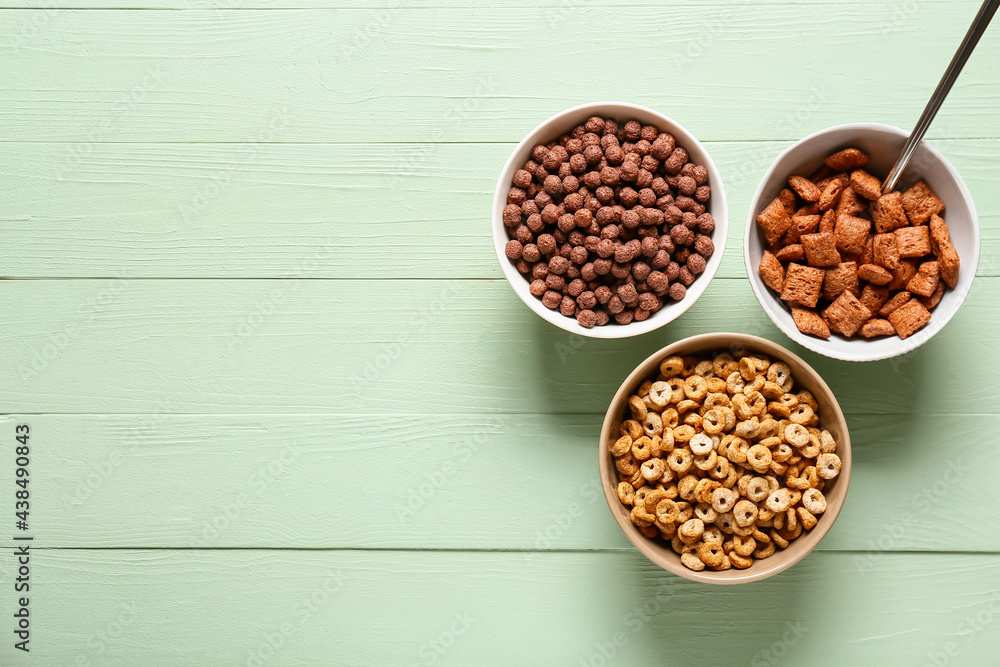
x,y
725,458
609,220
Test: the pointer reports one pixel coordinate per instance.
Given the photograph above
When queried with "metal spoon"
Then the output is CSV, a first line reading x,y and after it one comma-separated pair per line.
x,y
979,24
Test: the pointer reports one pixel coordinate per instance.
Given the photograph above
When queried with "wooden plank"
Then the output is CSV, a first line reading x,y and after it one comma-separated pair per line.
x,y
455,481
448,74
399,414
560,9
224,210
256,346
452,608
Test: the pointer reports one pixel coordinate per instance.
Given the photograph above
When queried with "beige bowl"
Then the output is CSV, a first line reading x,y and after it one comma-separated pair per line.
x,y
833,420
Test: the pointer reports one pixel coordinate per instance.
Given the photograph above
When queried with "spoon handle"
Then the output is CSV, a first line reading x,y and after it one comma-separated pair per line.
x,y
979,24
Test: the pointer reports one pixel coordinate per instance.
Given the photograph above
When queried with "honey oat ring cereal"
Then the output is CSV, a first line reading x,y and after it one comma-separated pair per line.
x,y
712,467
708,475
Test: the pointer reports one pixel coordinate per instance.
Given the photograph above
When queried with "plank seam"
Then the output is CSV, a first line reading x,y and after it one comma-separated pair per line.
x,y
368,415
622,550
309,278
510,144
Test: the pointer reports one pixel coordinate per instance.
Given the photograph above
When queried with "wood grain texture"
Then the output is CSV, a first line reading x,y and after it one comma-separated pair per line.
x,y
363,608
318,210
460,481
285,410
561,8
727,71
387,346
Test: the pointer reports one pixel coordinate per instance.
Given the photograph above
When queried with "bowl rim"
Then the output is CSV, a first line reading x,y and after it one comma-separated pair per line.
x,y
654,550
672,310
817,344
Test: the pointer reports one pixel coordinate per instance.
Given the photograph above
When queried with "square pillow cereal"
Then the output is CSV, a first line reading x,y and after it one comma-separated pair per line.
x,y
920,203
809,322
820,249
842,277
803,285
909,318
888,214
846,314
845,257
913,241
774,221
851,234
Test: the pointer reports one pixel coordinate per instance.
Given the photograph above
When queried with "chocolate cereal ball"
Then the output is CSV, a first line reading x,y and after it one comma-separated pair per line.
x,y
686,185
673,271
551,299
681,235
704,246
587,318
511,215
658,281
696,263
706,223
558,264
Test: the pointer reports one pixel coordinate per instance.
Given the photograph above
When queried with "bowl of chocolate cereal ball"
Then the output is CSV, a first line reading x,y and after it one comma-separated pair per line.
x,y
847,270
609,220
724,458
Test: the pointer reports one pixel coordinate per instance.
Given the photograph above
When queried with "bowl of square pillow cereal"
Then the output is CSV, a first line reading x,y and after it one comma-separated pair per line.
x,y
846,270
609,220
724,458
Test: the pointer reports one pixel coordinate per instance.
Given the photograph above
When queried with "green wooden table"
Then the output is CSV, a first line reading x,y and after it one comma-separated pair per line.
x,y
284,409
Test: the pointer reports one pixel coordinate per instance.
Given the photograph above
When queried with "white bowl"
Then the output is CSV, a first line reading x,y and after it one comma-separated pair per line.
x,y
552,129
883,144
